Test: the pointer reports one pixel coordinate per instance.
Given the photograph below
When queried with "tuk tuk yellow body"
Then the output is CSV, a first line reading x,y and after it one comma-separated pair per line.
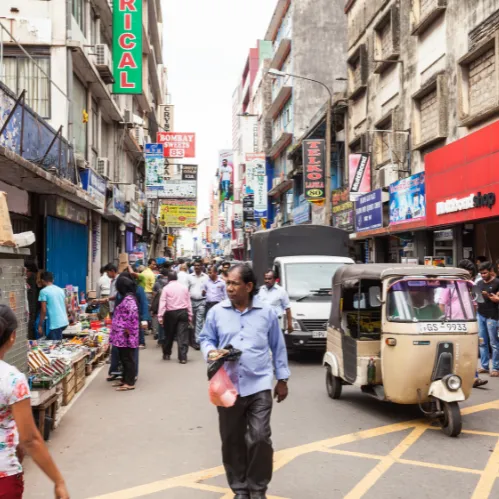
x,y
404,334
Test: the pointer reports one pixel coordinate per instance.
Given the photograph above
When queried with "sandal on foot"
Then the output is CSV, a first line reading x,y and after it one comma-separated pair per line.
x,y
494,374
483,371
125,388
480,382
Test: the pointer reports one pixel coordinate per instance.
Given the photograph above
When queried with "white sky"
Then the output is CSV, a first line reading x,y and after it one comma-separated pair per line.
x,y
206,43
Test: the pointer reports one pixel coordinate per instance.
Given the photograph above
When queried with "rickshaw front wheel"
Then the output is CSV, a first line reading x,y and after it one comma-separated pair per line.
x,y
451,421
333,384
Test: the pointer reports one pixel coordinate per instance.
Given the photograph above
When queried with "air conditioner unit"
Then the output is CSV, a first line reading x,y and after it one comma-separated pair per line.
x,y
104,168
103,62
388,174
138,134
127,116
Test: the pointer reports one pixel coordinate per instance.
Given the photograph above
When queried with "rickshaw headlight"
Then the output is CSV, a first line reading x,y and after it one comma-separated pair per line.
x,y
453,382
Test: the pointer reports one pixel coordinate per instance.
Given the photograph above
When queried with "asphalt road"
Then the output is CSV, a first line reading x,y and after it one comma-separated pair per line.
x,y
161,441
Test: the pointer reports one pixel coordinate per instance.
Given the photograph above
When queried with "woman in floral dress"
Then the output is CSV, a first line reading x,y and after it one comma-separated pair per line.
x,y
18,431
125,332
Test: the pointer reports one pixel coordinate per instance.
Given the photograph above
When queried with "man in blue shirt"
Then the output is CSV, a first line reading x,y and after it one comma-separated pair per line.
x,y
214,289
277,297
53,306
251,326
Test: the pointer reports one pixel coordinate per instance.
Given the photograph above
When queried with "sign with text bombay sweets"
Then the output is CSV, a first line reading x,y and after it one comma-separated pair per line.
x,y
314,170
178,145
127,46
178,213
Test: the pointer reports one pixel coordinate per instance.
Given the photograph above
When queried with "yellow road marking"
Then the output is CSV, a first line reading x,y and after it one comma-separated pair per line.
x,y
283,457
386,463
489,475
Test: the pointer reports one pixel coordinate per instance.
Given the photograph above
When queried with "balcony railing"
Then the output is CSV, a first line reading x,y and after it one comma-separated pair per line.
x,y
25,133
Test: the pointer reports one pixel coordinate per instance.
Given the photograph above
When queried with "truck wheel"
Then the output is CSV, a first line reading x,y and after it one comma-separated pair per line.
x,y
333,384
451,420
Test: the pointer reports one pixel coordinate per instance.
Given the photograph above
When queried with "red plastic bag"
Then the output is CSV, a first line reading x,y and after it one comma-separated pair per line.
x,y
222,391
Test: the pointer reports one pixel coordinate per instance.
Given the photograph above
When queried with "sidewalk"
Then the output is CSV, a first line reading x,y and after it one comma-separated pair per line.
x,y
109,441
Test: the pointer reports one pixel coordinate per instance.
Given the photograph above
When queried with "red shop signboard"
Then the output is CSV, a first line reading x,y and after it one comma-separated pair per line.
x,y
178,145
462,179
314,169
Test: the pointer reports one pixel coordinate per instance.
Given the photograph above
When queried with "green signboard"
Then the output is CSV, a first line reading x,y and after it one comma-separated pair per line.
x,y
127,46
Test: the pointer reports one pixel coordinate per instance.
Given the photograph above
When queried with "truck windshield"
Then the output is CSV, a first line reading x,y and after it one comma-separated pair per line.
x,y
430,300
310,281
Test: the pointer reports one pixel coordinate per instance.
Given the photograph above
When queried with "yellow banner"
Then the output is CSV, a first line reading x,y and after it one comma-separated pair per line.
x,y
178,213
171,240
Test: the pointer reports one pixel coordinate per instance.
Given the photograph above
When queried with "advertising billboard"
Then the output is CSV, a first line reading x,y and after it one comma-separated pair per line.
x,y
359,170
155,165
225,175
369,211
408,199
178,145
178,213
343,216
314,169
127,46
190,172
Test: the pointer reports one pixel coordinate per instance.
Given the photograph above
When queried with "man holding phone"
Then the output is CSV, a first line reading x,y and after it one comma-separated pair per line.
x,y
488,315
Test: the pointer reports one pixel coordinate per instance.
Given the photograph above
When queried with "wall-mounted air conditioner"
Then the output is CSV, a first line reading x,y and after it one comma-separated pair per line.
x,y
104,62
388,174
104,168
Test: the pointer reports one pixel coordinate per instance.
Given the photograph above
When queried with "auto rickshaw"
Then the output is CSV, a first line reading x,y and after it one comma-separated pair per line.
x,y
404,334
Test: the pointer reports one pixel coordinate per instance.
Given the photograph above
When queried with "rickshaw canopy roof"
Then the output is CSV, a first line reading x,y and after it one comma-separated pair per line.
x,y
375,271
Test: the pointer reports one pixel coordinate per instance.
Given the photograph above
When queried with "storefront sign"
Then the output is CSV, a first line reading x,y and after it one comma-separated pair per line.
x,y
248,208
343,216
260,197
174,189
166,115
369,211
190,172
359,169
478,200
314,169
407,199
301,214
339,196
178,213
319,213
127,46
70,211
155,167
178,145
118,203
95,186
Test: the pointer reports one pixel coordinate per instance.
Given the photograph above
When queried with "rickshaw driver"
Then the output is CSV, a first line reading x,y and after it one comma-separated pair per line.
x,y
423,305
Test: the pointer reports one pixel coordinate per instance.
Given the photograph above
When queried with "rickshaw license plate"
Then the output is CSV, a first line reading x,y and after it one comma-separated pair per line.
x,y
319,334
442,327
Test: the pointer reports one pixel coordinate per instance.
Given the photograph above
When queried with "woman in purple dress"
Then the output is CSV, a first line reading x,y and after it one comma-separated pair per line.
x,y
125,332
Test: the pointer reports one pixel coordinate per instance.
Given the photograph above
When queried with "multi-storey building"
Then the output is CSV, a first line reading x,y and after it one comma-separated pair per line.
x,y
60,53
423,81
309,40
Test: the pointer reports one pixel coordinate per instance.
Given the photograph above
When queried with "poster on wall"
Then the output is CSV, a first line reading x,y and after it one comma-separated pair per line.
x,y
359,170
178,213
155,166
408,199
127,47
225,175
343,216
369,211
314,180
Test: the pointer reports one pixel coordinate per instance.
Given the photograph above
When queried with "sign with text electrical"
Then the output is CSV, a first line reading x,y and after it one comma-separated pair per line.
x,y
127,46
314,169
178,145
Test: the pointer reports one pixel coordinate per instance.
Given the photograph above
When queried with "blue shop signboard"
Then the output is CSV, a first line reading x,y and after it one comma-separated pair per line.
x,y
369,211
118,206
301,214
95,186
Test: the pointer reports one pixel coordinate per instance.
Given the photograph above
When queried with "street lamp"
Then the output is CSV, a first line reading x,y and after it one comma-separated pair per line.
x,y
276,72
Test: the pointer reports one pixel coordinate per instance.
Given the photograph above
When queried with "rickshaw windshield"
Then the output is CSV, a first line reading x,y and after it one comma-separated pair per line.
x,y
434,300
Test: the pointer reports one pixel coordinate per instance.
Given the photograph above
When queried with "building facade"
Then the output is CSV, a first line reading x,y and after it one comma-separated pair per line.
x,y
61,55
422,87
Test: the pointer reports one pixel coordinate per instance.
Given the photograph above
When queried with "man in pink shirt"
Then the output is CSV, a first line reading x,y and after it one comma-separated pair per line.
x,y
175,314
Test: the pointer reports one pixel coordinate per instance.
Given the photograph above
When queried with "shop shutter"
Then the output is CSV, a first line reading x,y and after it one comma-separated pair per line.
x,y
66,252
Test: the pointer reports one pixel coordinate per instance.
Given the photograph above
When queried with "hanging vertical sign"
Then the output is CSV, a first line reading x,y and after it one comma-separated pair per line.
x,y
127,46
314,169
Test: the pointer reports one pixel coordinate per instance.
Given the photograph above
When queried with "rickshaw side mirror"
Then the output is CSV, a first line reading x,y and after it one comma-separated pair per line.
x,y
375,296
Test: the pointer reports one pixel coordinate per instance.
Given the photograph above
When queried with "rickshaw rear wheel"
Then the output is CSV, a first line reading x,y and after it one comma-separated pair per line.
x,y
333,384
451,421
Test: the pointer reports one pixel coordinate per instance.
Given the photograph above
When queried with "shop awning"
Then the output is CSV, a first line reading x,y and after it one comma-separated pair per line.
x,y
21,173
387,231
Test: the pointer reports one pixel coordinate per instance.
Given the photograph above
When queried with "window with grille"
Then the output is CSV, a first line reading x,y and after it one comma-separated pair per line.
x,y
21,73
79,13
